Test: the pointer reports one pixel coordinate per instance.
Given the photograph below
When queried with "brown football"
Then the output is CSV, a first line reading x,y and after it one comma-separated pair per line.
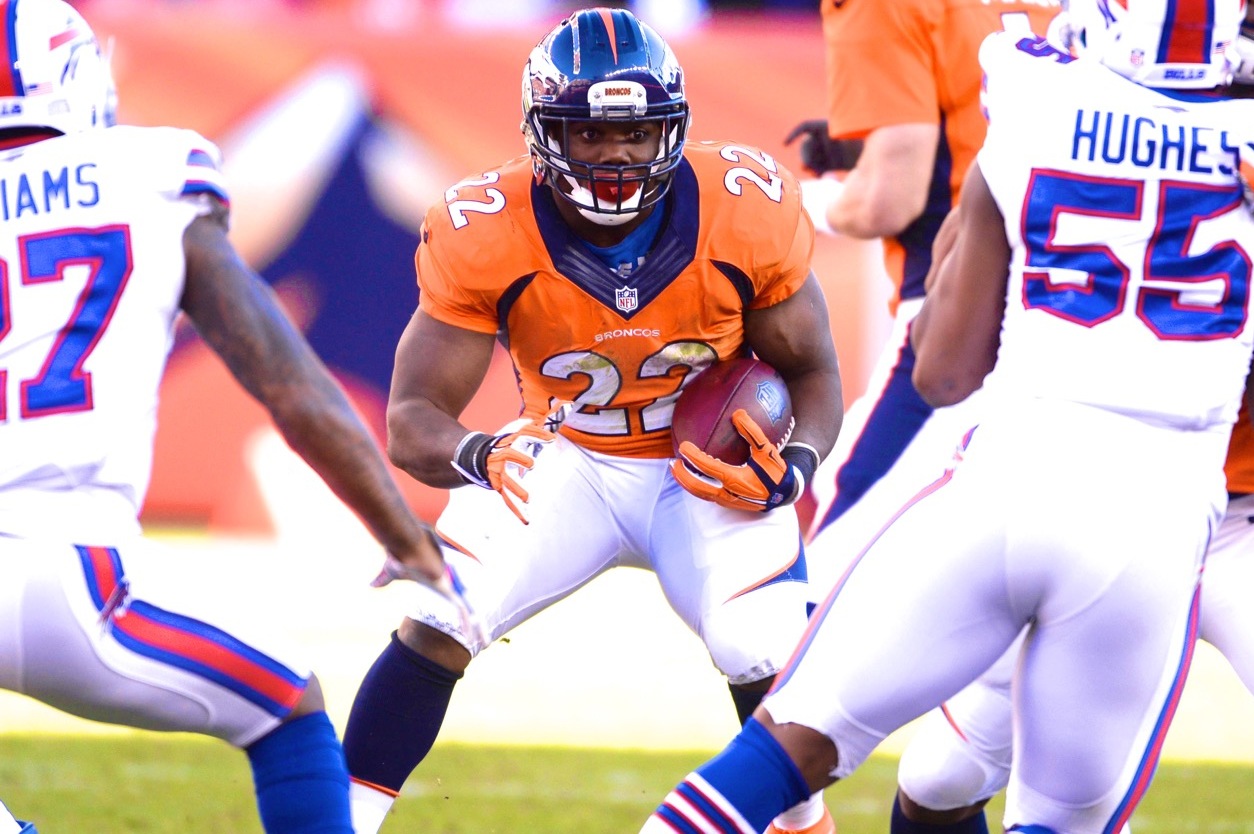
x,y
705,406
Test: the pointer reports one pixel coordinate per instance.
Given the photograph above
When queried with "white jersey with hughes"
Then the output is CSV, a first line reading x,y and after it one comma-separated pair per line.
x,y
89,303
1090,238
1081,506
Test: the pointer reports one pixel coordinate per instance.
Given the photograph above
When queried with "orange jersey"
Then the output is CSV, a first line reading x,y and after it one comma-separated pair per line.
x,y
892,62
497,258
1240,464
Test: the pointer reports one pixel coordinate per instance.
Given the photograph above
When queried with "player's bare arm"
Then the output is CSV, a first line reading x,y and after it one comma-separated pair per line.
x,y
957,332
942,246
795,338
438,369
887,189
237,315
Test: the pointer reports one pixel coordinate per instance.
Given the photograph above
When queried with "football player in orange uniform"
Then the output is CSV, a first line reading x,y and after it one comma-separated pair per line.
x,y
615,262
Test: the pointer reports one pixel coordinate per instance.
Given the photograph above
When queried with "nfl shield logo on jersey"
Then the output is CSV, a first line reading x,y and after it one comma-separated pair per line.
x,y
626,299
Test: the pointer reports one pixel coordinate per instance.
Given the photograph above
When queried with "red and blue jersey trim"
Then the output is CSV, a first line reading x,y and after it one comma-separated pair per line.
x,y
1188,32
198,158
1149,761
184,642
201,159
202,187
11,79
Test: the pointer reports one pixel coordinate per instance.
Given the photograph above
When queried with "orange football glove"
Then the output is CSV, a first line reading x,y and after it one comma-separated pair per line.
x,y
499,462
511,455
763,483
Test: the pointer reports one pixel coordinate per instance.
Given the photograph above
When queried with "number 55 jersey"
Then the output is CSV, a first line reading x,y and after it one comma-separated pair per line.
x,y
497,258
1128,229
91,276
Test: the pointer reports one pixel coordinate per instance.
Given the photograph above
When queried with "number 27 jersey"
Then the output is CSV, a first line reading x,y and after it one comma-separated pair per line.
x,y
91,276
497,258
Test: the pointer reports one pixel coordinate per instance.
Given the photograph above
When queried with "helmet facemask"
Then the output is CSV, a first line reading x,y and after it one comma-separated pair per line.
x,y
606,194
603,66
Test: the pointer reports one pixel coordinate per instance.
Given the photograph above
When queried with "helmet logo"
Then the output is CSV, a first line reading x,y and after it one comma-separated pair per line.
x,y
617,99
56,68
626,299
65,37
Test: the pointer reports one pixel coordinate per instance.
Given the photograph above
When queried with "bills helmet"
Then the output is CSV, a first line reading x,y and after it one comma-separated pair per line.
x,y
57,76
603,65
1175,44
1244,73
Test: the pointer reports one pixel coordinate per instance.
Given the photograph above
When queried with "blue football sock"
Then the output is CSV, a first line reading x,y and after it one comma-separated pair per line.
x,y
901,825
749,783
396,716
300,778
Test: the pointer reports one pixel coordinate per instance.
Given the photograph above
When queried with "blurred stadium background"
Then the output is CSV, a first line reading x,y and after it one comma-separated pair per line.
x,y
341,121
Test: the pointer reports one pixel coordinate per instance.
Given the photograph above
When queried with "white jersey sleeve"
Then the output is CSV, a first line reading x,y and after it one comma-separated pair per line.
x,y
1129,284
91,277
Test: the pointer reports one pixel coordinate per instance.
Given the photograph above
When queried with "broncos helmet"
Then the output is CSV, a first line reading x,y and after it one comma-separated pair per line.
x,y
603,64
1176,44
57,76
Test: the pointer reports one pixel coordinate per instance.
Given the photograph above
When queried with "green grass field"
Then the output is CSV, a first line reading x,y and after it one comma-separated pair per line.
x,y
148,783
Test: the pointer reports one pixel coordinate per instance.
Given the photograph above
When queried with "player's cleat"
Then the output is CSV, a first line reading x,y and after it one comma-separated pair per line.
x,y
826,825
27,828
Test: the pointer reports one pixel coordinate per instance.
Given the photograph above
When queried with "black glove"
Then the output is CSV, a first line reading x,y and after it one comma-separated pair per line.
x,y
819,152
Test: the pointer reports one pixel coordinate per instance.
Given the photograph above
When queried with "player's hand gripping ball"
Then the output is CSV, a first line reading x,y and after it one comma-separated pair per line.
x,y
729,427
704,409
